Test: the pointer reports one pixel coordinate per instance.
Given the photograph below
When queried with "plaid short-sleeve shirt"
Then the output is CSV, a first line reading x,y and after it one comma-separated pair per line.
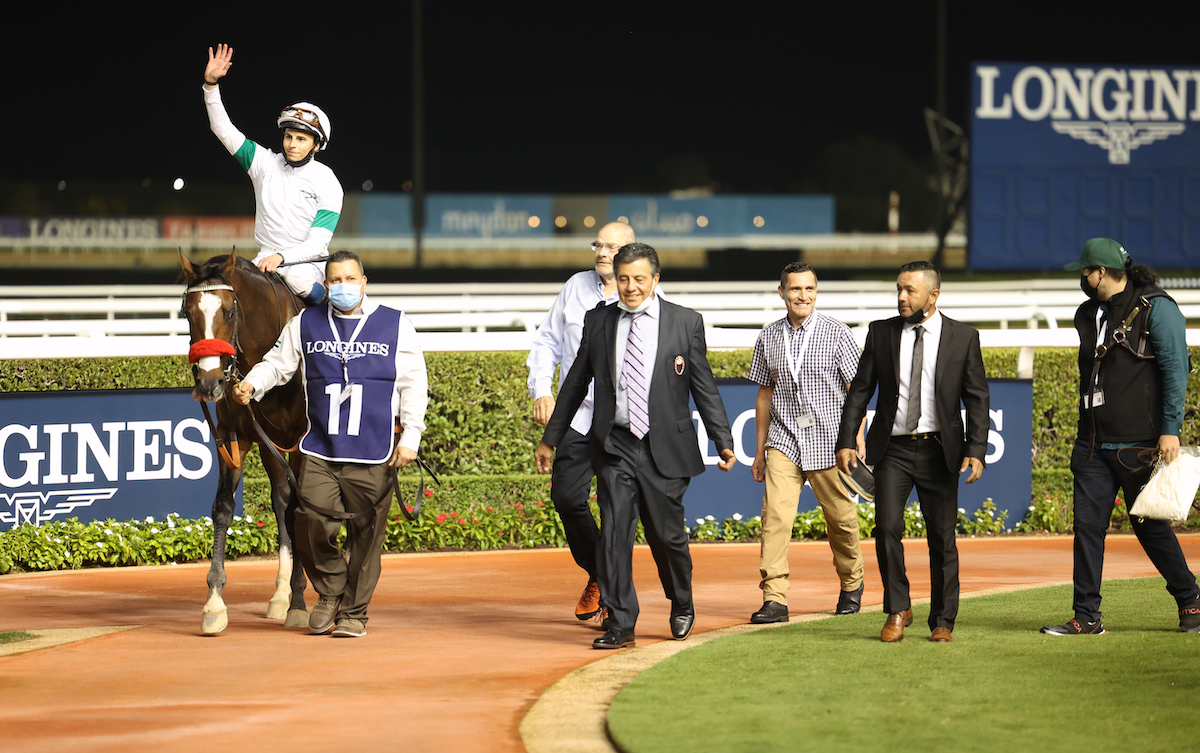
x,y
830,362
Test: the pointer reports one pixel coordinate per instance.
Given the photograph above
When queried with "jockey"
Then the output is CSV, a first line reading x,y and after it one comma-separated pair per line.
x,y
298,200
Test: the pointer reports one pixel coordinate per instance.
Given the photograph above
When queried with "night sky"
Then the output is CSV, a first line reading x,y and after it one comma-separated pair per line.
x,y
564,97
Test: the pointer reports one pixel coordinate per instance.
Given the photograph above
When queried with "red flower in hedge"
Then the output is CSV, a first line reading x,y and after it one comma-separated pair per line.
x,y
441,518
462,521
539,503
407,507
454,515
261,524
429,492
520,506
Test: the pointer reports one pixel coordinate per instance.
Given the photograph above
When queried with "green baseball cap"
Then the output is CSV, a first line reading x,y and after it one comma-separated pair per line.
x,y
1100,252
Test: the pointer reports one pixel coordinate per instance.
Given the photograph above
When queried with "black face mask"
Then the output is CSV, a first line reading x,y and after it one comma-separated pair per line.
x,y
915,317
1087,289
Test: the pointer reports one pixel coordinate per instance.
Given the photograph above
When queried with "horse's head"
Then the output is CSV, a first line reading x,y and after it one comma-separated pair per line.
x,y
213,314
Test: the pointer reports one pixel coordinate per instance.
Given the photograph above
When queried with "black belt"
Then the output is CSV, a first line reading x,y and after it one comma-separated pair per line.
x,y
934,435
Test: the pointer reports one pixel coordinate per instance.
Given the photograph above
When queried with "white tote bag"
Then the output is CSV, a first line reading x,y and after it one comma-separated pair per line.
x,y
1169,493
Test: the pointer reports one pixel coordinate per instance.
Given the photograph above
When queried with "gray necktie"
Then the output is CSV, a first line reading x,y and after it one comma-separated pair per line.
x,y
914,382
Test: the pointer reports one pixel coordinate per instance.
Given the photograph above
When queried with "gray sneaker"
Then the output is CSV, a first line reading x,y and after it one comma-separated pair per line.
x,y
1189,618
348,627
1076,627
323,615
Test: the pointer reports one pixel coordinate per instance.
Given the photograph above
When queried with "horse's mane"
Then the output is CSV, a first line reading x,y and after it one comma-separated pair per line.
x,y
213,270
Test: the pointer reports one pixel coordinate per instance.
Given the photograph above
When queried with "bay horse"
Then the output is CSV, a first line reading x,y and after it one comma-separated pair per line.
x,y
235,313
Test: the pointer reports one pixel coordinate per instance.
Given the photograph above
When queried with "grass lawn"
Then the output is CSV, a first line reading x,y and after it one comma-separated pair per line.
x,y
832,685
14,636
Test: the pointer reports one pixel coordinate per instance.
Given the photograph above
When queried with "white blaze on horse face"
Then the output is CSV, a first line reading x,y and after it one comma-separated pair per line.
x,y
209,305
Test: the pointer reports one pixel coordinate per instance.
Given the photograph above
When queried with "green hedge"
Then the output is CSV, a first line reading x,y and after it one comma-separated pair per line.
x,y
479,407
479,412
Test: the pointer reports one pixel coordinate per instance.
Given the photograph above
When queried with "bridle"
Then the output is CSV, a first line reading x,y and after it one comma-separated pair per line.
x,y
215,347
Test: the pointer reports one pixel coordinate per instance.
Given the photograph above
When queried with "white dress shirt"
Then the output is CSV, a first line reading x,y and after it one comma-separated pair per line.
x,y
556,343
932,338
648,328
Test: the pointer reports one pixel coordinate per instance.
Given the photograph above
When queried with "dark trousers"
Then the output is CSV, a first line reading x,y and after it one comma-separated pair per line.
x,y
349,487
571,482
1096,484
629,486
919,463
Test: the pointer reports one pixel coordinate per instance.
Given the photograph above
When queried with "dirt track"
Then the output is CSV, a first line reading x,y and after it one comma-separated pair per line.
x,y
459,646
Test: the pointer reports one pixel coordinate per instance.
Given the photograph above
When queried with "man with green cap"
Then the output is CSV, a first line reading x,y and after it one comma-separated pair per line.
x,y
1133,371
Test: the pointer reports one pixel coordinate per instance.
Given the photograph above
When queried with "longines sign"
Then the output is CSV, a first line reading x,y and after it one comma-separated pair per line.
x,y
1116,109
1007,481
121,454
1061,153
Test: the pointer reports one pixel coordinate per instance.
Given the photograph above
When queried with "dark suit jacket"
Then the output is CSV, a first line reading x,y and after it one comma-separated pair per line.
x,y
960,377
680,368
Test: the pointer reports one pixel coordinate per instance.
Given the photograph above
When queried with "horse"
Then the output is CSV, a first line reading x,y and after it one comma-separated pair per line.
x,y
235,313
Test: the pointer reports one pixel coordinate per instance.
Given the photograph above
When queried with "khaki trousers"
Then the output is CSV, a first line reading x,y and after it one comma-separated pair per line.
x,y
349,487
783,485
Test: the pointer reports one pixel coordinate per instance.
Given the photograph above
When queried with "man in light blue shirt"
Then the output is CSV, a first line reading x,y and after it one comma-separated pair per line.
x,y
555,345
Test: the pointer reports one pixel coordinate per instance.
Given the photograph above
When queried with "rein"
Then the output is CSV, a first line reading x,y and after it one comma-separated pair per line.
x,y
229,449
393,487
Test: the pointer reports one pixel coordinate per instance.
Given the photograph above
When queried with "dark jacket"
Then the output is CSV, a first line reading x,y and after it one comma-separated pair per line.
x,y
960,379
680,370
1132,385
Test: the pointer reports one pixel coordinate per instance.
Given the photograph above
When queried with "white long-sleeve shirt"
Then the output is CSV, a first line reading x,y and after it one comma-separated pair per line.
x,y
410,398
556,343
297,208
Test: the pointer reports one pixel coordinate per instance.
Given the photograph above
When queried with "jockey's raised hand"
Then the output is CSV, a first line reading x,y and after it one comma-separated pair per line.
x,y
218,63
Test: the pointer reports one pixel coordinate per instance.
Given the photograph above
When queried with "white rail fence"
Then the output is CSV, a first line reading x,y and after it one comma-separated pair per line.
x,y
145,320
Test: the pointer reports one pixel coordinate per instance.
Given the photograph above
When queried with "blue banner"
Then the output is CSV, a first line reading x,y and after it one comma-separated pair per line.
x,y
489,215
725,215
120,454
1007,480
517,215
1061,154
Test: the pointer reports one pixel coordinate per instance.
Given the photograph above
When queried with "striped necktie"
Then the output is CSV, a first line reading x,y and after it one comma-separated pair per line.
x,y
634,380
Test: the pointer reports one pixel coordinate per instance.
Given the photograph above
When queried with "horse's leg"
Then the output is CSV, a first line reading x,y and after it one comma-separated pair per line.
x,y
215,617
281,494
297,611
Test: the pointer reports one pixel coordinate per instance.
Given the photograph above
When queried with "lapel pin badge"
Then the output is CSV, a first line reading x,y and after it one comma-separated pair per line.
x,y
679,365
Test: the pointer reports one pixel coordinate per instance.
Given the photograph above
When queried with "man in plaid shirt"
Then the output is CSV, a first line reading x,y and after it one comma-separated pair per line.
x,y
803,364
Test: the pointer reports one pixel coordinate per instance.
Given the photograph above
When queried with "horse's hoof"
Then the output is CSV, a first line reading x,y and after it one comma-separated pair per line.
x,y
296,618
277,610
211,624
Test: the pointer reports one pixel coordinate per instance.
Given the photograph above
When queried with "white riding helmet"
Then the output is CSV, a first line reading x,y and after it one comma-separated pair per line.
x,y
307,117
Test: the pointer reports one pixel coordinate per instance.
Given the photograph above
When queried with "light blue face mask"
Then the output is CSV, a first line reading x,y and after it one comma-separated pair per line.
x,y
345,295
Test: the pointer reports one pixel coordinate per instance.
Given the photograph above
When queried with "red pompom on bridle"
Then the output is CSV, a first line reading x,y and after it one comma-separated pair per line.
x,y
205,348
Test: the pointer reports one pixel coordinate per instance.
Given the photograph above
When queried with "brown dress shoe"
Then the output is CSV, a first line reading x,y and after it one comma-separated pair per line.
x,y
942,635
893,629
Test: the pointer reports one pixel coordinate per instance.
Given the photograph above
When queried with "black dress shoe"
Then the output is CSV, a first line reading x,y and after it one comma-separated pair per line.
x,y
681,625
614,638
849,602
772,611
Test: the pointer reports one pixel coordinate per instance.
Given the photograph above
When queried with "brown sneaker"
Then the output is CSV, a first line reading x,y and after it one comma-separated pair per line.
x,y
348,627
589,602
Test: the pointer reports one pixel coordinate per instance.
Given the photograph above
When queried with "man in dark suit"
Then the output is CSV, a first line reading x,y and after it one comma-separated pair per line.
x,y
925,365
647,356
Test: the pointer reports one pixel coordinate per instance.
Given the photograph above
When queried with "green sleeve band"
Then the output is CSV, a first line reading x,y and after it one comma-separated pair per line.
x,y
245,154
326,219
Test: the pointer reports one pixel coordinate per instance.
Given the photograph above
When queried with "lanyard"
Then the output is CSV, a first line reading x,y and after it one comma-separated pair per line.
x,y
337,338
794,363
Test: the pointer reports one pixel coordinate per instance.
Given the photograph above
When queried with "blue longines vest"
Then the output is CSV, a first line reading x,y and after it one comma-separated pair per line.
x,y
354,426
